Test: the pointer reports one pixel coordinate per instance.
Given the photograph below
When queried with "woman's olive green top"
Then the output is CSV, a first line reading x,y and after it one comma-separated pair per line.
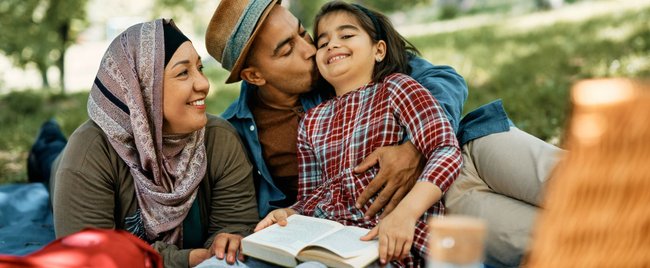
x,y
93,187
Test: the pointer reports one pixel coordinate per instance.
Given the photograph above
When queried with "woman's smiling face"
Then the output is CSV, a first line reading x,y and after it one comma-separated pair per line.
x,y
184,91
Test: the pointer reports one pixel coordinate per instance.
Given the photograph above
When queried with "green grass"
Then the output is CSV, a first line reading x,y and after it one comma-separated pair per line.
x,y
531,71
21,114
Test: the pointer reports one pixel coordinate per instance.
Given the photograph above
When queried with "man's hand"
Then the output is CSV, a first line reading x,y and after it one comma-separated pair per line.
x,y
279,215
198,255
226,246
399,168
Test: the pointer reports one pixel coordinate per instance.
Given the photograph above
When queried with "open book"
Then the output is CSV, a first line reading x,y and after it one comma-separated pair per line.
x,y
312,239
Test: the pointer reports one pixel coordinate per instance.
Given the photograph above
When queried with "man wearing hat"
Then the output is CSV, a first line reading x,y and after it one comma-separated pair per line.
x,y
262,43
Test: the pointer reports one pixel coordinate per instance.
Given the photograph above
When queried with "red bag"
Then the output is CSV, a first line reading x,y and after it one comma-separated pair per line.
x,y
90,248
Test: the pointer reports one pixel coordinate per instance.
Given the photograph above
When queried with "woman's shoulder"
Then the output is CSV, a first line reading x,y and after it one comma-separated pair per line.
x,y
222,143
217,123
87,135
219,130
89,151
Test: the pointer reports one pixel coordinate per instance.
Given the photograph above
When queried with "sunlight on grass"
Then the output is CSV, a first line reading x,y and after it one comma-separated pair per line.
x,y
576,13
616,33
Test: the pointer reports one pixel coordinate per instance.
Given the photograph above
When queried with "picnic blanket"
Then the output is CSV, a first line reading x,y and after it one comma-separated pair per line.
x,y
25,218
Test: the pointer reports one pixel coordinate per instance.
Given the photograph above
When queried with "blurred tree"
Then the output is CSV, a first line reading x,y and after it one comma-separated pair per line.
x,y
178,8
305,11
186,5
449,9
548,4
40,32
391,5
184,10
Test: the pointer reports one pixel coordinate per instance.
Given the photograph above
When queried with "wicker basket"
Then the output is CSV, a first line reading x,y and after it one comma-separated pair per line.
x,y
597,206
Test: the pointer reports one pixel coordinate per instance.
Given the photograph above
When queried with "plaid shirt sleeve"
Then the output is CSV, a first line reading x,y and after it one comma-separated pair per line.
x,y
309,169
427,125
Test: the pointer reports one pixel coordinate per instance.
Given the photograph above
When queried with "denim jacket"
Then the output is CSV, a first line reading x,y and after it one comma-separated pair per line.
x,y
447,86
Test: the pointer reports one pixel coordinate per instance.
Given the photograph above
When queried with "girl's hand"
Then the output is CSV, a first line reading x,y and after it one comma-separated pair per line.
x,y
395,234
279,215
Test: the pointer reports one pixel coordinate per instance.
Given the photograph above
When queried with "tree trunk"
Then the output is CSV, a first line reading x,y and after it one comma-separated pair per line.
x,y
543,4
42,69
63,30
61,66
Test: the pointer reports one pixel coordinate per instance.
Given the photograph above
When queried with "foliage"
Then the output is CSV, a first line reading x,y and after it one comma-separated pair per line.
x,y
183,4
39,32
450,9
302,9
391,5
305,11
551,4
449,12
179,8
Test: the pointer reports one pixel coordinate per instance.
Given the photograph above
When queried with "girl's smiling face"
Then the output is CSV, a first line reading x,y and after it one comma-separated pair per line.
x,y
346,54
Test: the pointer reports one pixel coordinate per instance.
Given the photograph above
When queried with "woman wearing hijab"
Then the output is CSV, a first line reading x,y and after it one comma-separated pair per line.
x,y
150,160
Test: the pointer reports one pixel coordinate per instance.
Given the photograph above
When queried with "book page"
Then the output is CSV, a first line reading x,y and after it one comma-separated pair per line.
x,y
299,232
346,243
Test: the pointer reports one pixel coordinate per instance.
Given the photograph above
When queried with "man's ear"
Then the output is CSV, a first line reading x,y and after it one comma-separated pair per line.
x,y
252,76
380,53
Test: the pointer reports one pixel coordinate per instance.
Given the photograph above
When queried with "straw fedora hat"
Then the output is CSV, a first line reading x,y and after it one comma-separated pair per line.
x,y
232,29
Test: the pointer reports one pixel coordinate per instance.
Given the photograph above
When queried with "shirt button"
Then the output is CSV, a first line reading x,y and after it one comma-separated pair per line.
x,y
259,172
252,128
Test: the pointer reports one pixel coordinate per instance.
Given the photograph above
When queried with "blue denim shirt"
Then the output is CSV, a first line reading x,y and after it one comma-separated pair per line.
x,y
447,86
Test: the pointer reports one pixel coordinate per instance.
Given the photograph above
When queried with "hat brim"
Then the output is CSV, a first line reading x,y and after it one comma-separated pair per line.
x,y
239,64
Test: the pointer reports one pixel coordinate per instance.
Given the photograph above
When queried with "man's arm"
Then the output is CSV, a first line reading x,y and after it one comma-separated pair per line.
x,y
400,166
445,84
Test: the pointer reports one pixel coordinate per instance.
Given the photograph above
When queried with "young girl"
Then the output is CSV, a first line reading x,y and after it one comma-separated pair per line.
x,y
363,58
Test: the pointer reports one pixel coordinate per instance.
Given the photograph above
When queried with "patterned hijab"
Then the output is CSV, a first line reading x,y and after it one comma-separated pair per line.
x,y
126,101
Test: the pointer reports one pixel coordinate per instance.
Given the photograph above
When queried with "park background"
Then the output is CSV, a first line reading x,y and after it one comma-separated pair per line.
x,y
526,52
